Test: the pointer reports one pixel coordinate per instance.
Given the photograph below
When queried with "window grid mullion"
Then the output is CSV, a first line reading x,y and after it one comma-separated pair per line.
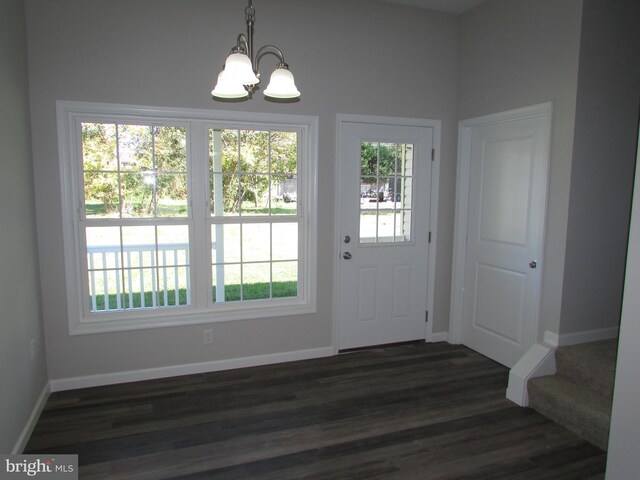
x,y
154,194
395,196
269,177
92,280
241,265
270,260
377,193
118,275
155,271
118,163
269,189
199,273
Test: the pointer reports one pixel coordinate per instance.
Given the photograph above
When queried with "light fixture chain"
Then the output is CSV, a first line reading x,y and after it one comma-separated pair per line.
x,y
250,14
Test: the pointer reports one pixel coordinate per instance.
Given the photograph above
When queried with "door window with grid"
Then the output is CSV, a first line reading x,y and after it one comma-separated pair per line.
x,y
386,179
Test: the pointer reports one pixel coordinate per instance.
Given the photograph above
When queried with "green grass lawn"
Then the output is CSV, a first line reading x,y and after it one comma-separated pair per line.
x,y
265,211
251,291
96,209
165,209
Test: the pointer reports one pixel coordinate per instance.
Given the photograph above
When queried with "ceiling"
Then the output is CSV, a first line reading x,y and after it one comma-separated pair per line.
x,y
448,6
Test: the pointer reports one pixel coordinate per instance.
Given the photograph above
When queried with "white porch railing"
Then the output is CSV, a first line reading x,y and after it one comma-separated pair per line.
x,y
143,272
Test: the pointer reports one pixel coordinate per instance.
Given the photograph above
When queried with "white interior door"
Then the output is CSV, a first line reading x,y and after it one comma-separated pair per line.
x,y
505,226
385,178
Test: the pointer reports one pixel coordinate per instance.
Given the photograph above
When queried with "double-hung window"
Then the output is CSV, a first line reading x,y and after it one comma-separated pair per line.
x,y
184,216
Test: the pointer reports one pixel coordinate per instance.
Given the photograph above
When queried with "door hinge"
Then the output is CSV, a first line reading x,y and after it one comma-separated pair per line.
x,y
433,154
426,317
429,237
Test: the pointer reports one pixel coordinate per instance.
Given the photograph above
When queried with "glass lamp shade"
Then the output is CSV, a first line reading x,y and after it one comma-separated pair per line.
x,y
239,69
226,88
281,84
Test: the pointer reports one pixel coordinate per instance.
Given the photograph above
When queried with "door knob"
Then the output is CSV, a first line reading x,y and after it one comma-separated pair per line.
x,y
346,256
533,264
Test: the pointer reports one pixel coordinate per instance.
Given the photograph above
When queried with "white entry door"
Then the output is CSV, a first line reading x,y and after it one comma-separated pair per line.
x,y
384,209
507,178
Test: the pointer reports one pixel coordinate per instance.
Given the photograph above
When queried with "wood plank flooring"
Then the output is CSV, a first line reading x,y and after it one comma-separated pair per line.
x,y
418,411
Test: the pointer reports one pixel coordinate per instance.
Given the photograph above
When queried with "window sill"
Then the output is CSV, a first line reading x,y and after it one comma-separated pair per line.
x,y
180,317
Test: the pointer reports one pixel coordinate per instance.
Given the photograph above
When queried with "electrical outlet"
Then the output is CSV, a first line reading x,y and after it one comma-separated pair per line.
x,y
208,336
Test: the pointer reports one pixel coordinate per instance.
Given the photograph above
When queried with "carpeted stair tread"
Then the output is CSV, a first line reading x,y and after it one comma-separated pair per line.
x,y
590,364
574,406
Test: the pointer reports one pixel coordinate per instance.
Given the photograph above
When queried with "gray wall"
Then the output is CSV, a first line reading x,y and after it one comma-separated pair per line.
x,y
515,53
22,372
603,165
360,56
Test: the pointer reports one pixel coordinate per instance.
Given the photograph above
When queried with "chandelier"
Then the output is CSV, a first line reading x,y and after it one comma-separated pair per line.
x,y
240,76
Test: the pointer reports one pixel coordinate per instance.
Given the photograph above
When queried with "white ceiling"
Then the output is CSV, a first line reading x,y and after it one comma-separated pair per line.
x,y
447,6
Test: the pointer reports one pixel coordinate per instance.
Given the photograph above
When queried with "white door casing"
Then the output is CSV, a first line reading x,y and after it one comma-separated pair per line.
x,y
498,243
385,289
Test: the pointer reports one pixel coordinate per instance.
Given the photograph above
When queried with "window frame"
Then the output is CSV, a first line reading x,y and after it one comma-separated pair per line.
x,y
197,122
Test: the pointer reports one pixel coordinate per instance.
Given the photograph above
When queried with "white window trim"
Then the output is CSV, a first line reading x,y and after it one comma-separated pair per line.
x,y
69,113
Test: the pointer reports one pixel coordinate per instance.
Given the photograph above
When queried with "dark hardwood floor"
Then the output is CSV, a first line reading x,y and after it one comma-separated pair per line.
x,y
419,411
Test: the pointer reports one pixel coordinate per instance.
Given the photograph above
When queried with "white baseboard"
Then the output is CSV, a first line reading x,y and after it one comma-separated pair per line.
x,y
564,339
439,337
31,422
187,369
538,361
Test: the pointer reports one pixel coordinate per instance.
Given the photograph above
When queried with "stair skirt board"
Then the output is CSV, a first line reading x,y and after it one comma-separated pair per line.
x,y
538,361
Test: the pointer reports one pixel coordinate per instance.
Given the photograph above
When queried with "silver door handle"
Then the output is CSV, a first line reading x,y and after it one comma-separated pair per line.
x,y
533,264
346,256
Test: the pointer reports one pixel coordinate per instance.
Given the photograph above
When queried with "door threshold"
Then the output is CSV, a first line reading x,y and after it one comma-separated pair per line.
x,y
382,345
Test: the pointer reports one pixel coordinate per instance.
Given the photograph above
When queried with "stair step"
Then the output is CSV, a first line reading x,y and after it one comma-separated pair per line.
x,y
591,365
573,406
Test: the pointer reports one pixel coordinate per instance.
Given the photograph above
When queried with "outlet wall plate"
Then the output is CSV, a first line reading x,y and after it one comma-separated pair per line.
x,y
208,336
